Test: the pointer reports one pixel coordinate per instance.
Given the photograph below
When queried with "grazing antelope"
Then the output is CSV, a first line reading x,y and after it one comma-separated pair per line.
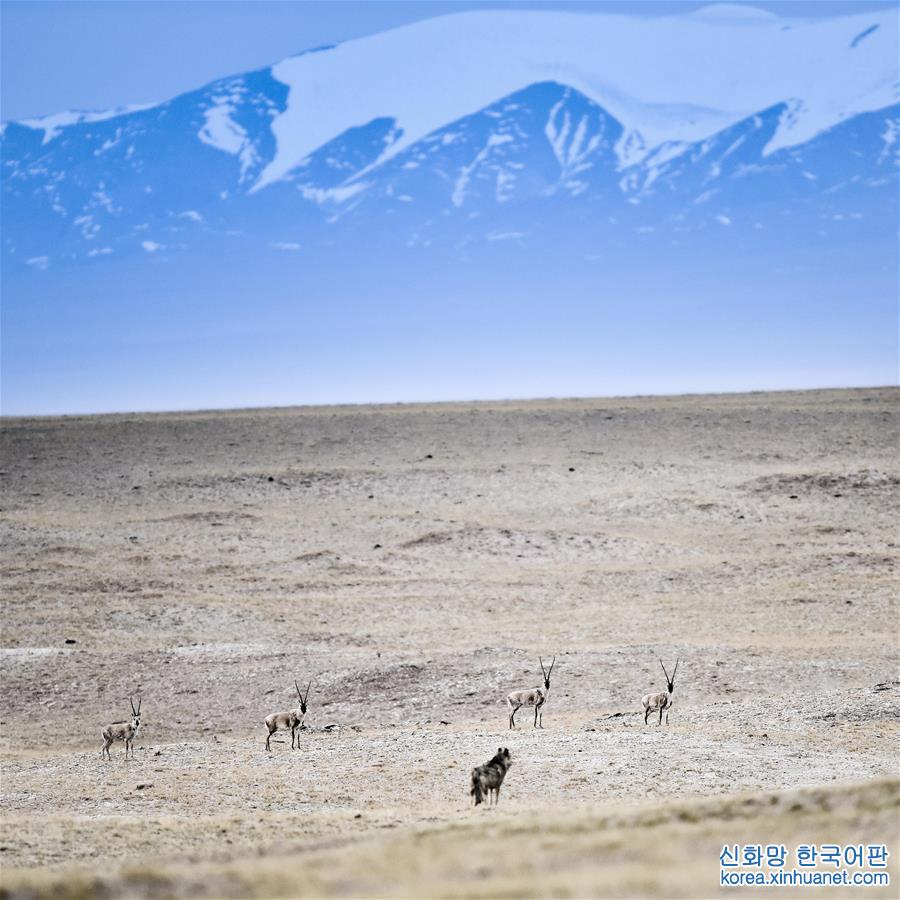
x,y
292,719
123,731
486,779
661,702
536,697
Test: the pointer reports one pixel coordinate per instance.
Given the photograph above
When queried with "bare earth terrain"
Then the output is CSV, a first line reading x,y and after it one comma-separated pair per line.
x,y
414,561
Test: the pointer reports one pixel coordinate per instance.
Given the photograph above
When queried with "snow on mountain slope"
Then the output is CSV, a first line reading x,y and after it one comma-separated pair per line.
x,y
52,125
484,204
679,78
474,125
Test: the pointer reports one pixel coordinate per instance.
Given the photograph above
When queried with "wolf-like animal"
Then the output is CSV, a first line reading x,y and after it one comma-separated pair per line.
x,y
486,779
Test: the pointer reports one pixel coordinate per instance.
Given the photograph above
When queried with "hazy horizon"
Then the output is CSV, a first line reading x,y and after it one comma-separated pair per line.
x,y
464,401
688,198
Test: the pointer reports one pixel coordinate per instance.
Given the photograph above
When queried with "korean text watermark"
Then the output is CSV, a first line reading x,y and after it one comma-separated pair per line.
x,y
811,865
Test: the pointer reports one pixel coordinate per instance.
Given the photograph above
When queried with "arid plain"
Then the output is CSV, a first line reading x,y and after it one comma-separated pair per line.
x,y
414,562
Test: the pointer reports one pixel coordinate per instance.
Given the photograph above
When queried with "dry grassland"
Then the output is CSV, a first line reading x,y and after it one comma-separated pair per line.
x,y
414,561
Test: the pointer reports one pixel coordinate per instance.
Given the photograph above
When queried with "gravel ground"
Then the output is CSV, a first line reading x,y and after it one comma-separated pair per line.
x,y
414,561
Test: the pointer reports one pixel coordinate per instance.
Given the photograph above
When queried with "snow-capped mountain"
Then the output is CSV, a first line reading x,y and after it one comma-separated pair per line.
x,y
484,204
481,127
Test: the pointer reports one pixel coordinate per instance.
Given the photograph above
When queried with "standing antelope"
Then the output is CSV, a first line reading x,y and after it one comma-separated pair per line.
x,y
661,702
292,719
123,731
536,697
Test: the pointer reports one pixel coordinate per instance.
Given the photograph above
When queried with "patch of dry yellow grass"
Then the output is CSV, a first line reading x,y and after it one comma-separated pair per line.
x,y
667,850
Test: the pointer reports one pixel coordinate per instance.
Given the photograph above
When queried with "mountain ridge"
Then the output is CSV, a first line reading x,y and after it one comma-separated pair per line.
x,y
100,196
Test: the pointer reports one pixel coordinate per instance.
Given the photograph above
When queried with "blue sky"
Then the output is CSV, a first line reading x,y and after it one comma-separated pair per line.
x,y
96,55
726,310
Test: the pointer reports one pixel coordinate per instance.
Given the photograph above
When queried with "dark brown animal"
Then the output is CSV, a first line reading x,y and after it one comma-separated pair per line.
x,y
486,779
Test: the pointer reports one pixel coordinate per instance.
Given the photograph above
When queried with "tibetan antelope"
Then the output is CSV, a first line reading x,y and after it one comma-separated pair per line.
x,y
292,719
486,779
536,697
661,702
123,731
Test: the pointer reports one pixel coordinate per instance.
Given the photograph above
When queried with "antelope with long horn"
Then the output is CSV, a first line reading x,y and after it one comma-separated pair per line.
x,y
661,702
536,697
292,719
123,731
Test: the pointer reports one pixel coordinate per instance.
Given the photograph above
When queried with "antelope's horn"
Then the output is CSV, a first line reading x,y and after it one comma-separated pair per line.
x,y
664,671
139,704
676,669
551,666
299,692
131,701
541,661
307,691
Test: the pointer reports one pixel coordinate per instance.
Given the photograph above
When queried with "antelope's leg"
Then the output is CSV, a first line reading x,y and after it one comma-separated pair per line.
x,y
512,716
646,714
660,717
268,736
